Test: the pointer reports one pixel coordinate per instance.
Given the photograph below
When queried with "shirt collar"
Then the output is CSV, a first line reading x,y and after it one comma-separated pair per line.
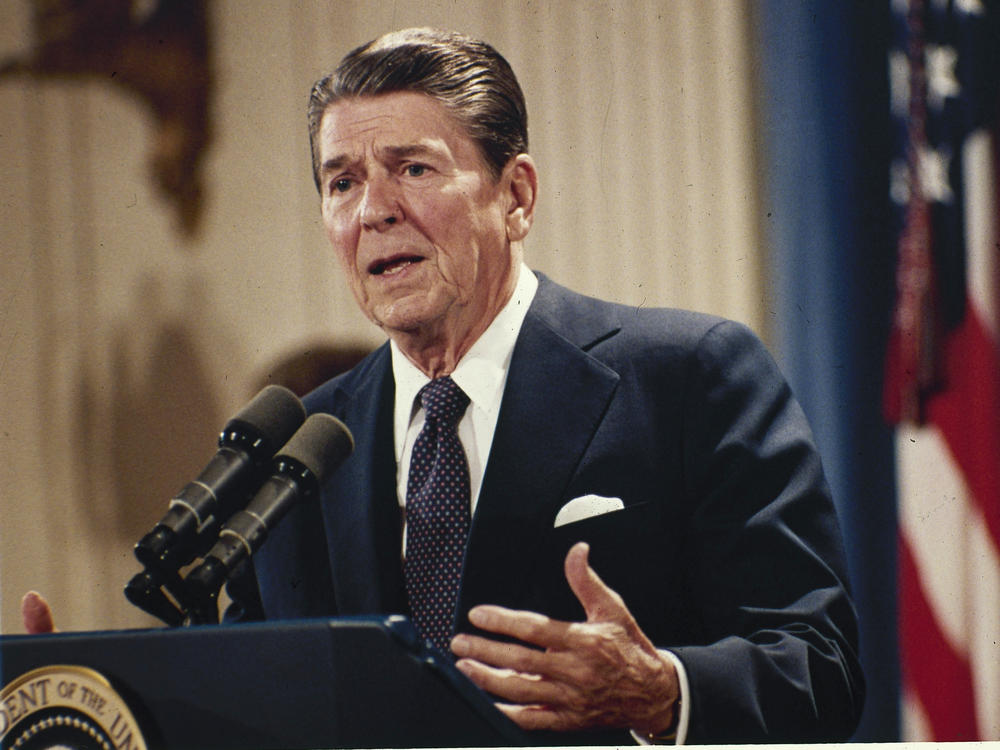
x,y
482,371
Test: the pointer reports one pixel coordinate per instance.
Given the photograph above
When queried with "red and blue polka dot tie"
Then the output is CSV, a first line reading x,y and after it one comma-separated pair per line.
x,y
437,513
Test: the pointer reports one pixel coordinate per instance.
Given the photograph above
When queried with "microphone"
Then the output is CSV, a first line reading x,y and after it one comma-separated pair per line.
x,y
298,472
246,444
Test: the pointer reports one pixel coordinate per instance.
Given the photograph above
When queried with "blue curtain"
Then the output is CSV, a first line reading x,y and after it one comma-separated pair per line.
x,y
822,93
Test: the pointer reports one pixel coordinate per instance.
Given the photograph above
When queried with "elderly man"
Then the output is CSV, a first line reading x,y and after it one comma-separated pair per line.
x,y
614,518
618,513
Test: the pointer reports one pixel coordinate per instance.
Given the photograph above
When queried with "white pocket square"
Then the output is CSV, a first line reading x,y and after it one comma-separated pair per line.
x,y
587,506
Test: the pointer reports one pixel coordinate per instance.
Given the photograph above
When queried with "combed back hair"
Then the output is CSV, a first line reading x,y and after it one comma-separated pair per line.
x,y
470,78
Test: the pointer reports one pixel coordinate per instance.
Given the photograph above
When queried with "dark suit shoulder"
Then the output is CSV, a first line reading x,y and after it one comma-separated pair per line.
x,y
333,396
611,331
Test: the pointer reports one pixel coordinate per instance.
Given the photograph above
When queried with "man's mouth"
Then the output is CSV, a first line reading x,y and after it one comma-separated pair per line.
x,y
393,265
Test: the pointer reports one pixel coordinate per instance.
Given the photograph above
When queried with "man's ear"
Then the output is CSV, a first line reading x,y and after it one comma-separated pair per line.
x,y
521,177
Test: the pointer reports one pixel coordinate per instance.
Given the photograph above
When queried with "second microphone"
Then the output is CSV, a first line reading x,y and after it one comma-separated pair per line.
x,y
298,472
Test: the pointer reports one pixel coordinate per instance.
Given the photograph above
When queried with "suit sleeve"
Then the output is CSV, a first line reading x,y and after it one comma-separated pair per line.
x,y
767,570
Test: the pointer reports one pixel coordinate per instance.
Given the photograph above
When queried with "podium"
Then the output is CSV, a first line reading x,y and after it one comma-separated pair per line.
x,y
348,682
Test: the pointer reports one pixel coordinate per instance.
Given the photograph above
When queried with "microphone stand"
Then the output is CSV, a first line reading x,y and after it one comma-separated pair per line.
x,y
296,475
195,515
167,597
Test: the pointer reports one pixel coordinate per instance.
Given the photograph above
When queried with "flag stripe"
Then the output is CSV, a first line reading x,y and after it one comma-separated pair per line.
x,y
958,566
941,677
984,624
982,207
968,414
935,522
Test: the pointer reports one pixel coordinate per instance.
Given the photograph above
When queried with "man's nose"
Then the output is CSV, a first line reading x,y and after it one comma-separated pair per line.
x,y
380,208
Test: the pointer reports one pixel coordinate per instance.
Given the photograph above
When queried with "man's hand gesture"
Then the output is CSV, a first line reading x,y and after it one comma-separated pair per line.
x,y
603,672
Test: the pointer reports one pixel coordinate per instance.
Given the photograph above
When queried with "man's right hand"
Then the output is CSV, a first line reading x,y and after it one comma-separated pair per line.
x,y
37,614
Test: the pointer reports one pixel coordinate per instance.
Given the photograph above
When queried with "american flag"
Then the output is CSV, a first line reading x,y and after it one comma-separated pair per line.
x,y
942,384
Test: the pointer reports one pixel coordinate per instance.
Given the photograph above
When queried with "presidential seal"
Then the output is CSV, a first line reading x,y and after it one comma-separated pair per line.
x,y
63,706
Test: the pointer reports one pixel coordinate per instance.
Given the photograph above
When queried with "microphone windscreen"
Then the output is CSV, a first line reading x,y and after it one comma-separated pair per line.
x,y
274,414
321,445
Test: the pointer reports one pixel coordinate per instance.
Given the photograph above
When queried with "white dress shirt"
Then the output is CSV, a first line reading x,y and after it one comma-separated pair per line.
x,y
481,373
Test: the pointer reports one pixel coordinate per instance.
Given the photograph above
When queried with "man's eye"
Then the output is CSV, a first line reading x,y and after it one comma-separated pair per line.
x,y
415,170
341,186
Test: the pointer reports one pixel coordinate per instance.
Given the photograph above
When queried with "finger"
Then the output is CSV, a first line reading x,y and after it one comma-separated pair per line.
x,y
36,614
511,685
532,717
551,664
498,654
529,627
600,602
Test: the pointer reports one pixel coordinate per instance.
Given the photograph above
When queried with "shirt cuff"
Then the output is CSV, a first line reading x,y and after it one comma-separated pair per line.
x,y
683,707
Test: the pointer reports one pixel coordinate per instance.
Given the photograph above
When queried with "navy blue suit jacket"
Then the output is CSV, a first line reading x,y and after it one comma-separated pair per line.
x,y
727,551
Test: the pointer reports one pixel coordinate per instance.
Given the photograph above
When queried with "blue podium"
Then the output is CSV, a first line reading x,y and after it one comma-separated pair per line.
x,y
350,682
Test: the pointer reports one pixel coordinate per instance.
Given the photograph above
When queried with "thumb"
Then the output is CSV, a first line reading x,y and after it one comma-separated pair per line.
x,y
600,602
36,614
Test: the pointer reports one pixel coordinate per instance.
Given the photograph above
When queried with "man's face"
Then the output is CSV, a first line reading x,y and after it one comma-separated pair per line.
x,y
414,216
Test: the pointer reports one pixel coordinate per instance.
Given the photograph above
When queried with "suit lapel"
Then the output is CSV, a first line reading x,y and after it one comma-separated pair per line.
x,y
555,398
362,514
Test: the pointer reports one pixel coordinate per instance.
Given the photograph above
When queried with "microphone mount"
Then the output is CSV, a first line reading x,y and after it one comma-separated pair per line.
x,y
177,591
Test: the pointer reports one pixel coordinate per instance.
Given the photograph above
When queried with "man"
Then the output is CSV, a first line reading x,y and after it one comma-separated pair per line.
x,y
715,605
645,541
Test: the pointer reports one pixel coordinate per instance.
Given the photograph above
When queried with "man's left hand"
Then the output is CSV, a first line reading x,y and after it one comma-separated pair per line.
x,y
603,672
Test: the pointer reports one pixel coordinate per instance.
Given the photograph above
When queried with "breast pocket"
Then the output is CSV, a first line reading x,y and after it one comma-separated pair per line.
x,y
623,546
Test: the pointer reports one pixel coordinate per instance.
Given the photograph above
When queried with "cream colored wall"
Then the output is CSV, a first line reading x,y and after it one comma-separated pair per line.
x,y
124,348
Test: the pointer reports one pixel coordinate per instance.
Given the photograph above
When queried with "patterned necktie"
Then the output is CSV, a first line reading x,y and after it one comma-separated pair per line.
x,y
437,513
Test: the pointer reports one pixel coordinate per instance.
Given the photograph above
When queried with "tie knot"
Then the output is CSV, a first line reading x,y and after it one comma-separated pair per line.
x,y
443,400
